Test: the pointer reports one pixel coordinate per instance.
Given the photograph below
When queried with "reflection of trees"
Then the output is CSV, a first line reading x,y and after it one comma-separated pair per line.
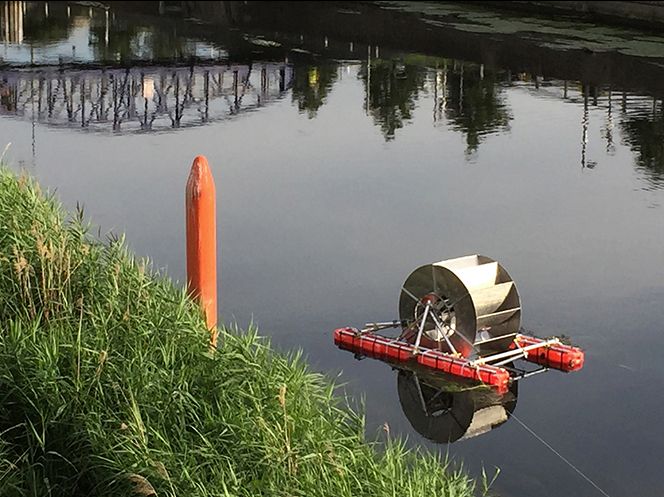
x,y
123,42
29,22
38,28
7,96
393,88
141,98
311,85
475,104
471,99
645,136
130,41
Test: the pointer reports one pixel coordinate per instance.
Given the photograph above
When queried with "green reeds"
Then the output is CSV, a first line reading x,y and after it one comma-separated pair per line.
x,y
107,386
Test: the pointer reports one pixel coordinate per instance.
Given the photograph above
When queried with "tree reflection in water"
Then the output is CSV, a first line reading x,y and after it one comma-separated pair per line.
x,y
100,66
311,85
468,95
475,103
643,132
392,89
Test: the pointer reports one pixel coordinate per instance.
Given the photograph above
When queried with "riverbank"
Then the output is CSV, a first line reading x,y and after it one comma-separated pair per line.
x,y
108,387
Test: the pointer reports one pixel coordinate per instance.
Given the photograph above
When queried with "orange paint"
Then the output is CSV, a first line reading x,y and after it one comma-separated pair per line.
x,y
200,200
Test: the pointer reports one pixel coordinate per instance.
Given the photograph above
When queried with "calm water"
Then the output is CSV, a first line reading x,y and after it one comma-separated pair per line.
x,y
353,144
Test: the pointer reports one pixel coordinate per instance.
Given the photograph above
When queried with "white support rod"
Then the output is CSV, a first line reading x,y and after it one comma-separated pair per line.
x,y
424,322
439,325
506,361
501,337
514,353
421,395
380,326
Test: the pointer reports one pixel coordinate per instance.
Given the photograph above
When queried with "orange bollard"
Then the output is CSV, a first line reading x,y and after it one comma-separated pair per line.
x,y
200,204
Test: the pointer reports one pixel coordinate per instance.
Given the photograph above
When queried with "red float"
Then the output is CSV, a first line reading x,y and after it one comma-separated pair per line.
x,y
386,349
545,353
557,356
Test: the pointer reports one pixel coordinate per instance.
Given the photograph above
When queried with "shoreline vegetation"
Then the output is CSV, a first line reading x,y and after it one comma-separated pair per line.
x,y
108,386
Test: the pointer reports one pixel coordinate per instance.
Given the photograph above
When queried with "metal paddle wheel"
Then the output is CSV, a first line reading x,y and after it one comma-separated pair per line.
x,y
461,317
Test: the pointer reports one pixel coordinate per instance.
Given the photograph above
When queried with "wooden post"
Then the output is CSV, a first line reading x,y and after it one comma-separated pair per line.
x,y
202,241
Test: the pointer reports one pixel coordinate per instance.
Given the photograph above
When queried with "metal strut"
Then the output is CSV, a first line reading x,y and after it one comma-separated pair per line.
x,y
510,355
421,329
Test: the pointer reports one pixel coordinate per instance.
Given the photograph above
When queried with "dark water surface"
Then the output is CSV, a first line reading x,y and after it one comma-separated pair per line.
x,y
353,143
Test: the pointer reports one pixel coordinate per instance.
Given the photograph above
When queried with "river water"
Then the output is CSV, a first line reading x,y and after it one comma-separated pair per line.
x,y
352,143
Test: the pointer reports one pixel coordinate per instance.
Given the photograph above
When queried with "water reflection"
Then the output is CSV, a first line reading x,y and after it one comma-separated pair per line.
x,y
640,119
59,32
469,98
474,101
64,43
643,132
445,411
311,85
40,32
12,22
140,99
391,90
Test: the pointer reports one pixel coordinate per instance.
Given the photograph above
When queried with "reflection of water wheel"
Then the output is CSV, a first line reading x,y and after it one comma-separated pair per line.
x,y
454,299
443,414
437,415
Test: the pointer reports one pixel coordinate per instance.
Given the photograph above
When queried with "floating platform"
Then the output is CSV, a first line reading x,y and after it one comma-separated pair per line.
x,y
547,353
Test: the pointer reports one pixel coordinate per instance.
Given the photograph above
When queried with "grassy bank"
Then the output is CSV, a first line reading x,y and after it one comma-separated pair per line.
x,y
107,386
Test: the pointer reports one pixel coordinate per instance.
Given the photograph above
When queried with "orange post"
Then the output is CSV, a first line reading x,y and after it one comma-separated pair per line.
x,y
200,201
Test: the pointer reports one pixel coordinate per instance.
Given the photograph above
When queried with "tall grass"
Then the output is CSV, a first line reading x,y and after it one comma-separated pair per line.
x,y
107,386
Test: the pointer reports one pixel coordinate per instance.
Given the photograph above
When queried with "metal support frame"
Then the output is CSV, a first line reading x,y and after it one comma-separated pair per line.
x,y
510,355
369,327
427,308
495,339
439,326
499,359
